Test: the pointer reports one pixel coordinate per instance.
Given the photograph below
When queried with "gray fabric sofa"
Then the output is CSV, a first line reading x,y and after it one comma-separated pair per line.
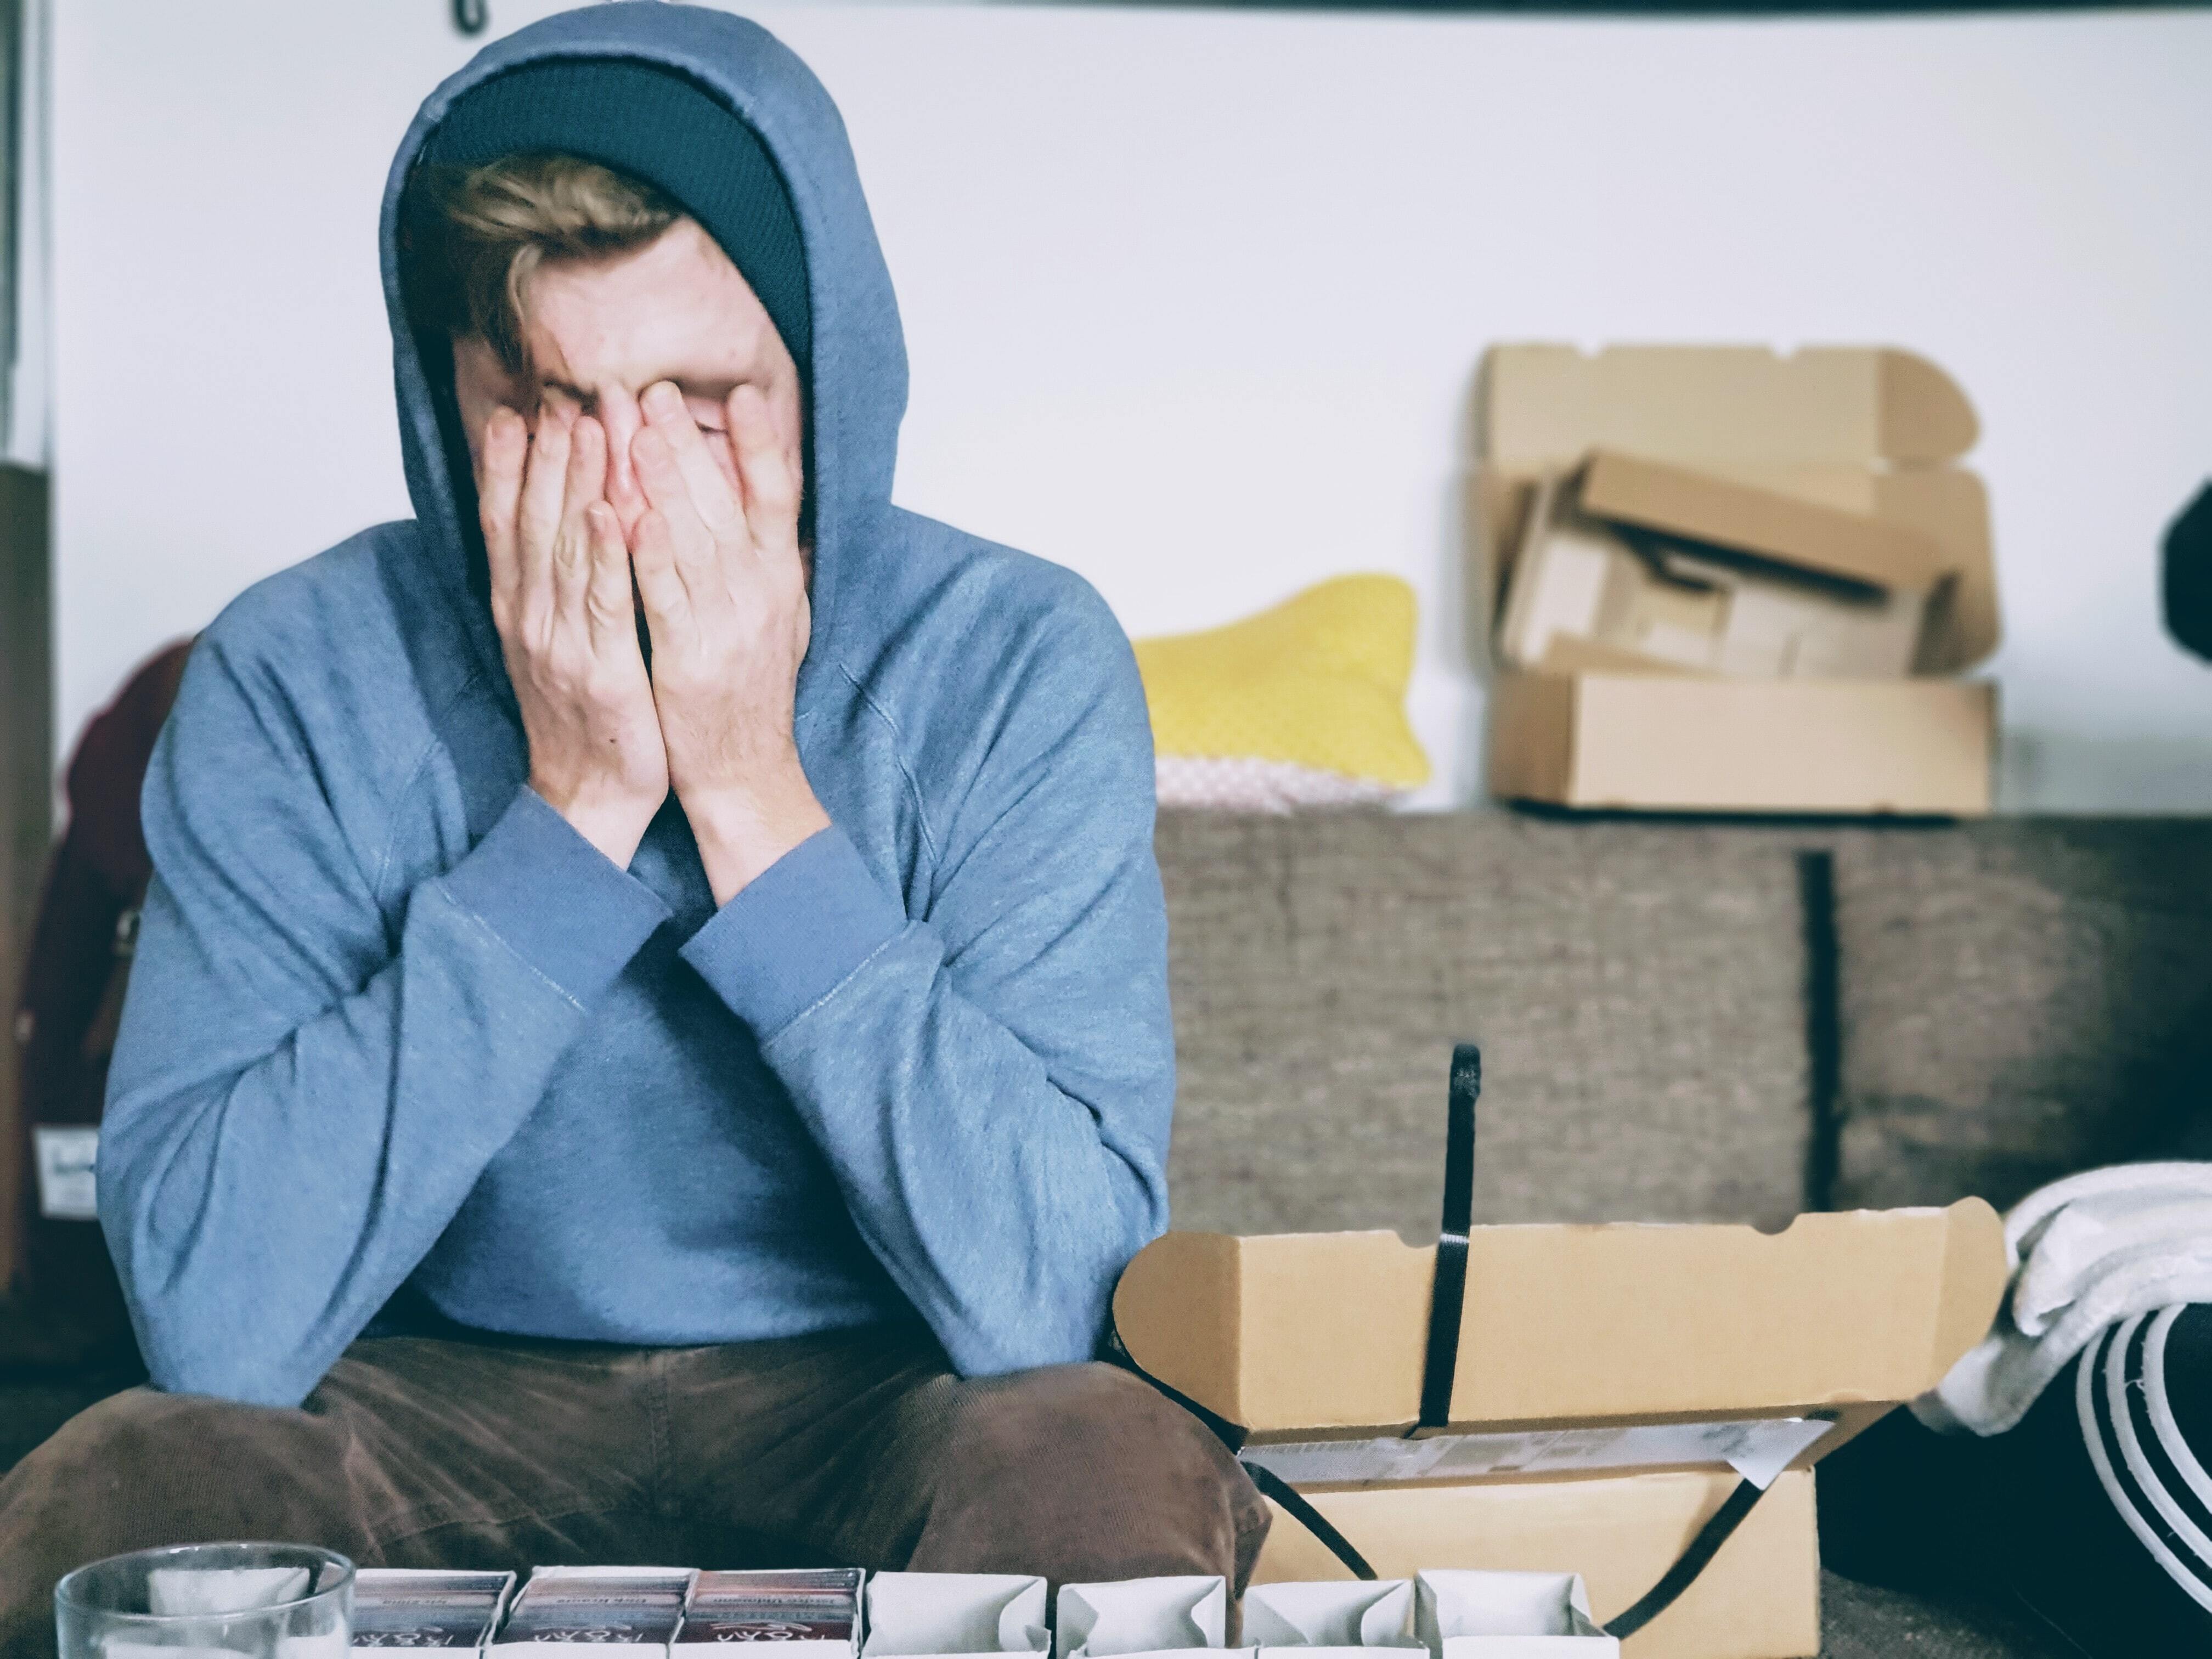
x,y
1680,1022
1684,1022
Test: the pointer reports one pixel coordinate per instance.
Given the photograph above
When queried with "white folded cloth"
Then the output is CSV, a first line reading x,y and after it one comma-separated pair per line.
x,y
2086,1252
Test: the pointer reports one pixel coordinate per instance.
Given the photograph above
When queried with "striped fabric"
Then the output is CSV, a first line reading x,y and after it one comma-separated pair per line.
x,y
2143,1396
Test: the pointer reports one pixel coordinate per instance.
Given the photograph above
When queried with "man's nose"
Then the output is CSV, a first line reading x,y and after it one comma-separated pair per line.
x,y
618,414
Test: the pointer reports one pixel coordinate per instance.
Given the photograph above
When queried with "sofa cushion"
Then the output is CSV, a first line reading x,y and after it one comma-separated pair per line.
x,y
1638,989
2019,999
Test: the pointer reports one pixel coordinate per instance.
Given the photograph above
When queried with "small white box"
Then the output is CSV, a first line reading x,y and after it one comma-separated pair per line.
x,y
428,1607
914,1614
1465,1614
596,1609
1143,1618
801,1611
1330,1620
68,1158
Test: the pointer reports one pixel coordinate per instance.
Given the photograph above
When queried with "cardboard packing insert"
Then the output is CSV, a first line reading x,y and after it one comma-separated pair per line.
x,y
1729,581
1614,1385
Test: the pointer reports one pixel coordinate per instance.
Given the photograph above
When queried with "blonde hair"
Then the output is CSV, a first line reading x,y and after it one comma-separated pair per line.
x,y
473,236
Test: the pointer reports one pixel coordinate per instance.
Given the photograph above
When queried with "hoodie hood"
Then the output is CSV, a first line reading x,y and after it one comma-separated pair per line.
x,y
856,383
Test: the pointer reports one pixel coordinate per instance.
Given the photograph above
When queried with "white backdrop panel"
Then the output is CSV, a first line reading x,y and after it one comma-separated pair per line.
x,y
1194,299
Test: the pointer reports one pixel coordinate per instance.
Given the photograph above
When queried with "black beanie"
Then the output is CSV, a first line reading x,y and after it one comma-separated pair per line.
x,y
656,126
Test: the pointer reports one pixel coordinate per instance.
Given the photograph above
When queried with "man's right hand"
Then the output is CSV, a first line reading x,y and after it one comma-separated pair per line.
x,y
560,599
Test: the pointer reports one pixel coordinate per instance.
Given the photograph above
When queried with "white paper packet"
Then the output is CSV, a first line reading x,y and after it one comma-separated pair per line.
x,y
330,1644
915,1613
175,1591
1465,1614
1140,1618
1330,1615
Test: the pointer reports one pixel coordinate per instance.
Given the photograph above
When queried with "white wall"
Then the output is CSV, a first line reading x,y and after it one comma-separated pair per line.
x,y
1194,300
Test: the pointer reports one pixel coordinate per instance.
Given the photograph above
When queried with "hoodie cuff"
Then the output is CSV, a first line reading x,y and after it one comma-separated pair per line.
x,y
796,932
553,899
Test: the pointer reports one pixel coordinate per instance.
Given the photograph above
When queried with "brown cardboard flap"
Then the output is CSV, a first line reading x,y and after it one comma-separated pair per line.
x,y
1683,501
1325,1331
1870,430
1544,406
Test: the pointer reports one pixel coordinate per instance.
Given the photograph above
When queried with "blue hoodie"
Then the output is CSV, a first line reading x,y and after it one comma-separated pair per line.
x,y
394,1024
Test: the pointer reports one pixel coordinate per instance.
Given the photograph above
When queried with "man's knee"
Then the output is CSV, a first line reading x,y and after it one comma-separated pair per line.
x,y
143,1469
137,1470
1086,1416
1094,1470
144,1446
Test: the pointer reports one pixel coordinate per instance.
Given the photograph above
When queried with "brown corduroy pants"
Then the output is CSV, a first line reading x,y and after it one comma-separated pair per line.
x,y
857,1448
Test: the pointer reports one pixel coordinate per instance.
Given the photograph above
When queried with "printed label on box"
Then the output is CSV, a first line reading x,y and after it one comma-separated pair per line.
x,y
1758,1449
66,1158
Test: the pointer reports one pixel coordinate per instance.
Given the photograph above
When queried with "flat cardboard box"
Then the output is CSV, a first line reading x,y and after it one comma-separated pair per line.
x,y
1873,434
1605,739
1615,1382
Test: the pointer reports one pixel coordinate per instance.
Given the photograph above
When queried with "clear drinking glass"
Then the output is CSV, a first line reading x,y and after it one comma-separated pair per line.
x,y
209,1602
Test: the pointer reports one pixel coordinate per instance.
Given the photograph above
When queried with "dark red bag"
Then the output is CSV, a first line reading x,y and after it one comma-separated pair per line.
x,y
67,1309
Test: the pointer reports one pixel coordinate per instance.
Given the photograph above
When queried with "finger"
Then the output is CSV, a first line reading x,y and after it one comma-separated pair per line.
x,y
501,454
694,553
587,467
610,611
661,589
570,569
768,472
543,483
585,484
715,503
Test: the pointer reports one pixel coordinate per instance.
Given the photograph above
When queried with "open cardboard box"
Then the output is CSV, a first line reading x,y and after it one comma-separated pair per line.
x,y
1839,459
1614,1386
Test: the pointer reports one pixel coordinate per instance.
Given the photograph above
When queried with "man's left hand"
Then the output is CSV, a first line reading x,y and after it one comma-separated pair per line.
x,y
723,587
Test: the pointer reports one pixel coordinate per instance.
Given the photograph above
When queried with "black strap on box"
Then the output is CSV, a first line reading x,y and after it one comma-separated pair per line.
x,y
1293,1502
1439,1369
1448,1289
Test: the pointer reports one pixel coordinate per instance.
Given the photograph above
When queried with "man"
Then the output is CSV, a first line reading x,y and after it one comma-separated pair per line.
x,y
673,934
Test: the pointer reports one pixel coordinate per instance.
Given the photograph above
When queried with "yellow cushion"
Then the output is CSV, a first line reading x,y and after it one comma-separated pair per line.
x,y
1317,682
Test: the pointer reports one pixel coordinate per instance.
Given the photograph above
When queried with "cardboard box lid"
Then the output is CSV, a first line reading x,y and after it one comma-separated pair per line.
x,y
1545,406
1293,1333
1869,430
1809,535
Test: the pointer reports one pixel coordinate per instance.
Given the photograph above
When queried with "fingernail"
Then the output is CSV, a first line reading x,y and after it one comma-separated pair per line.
x,y
662,399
